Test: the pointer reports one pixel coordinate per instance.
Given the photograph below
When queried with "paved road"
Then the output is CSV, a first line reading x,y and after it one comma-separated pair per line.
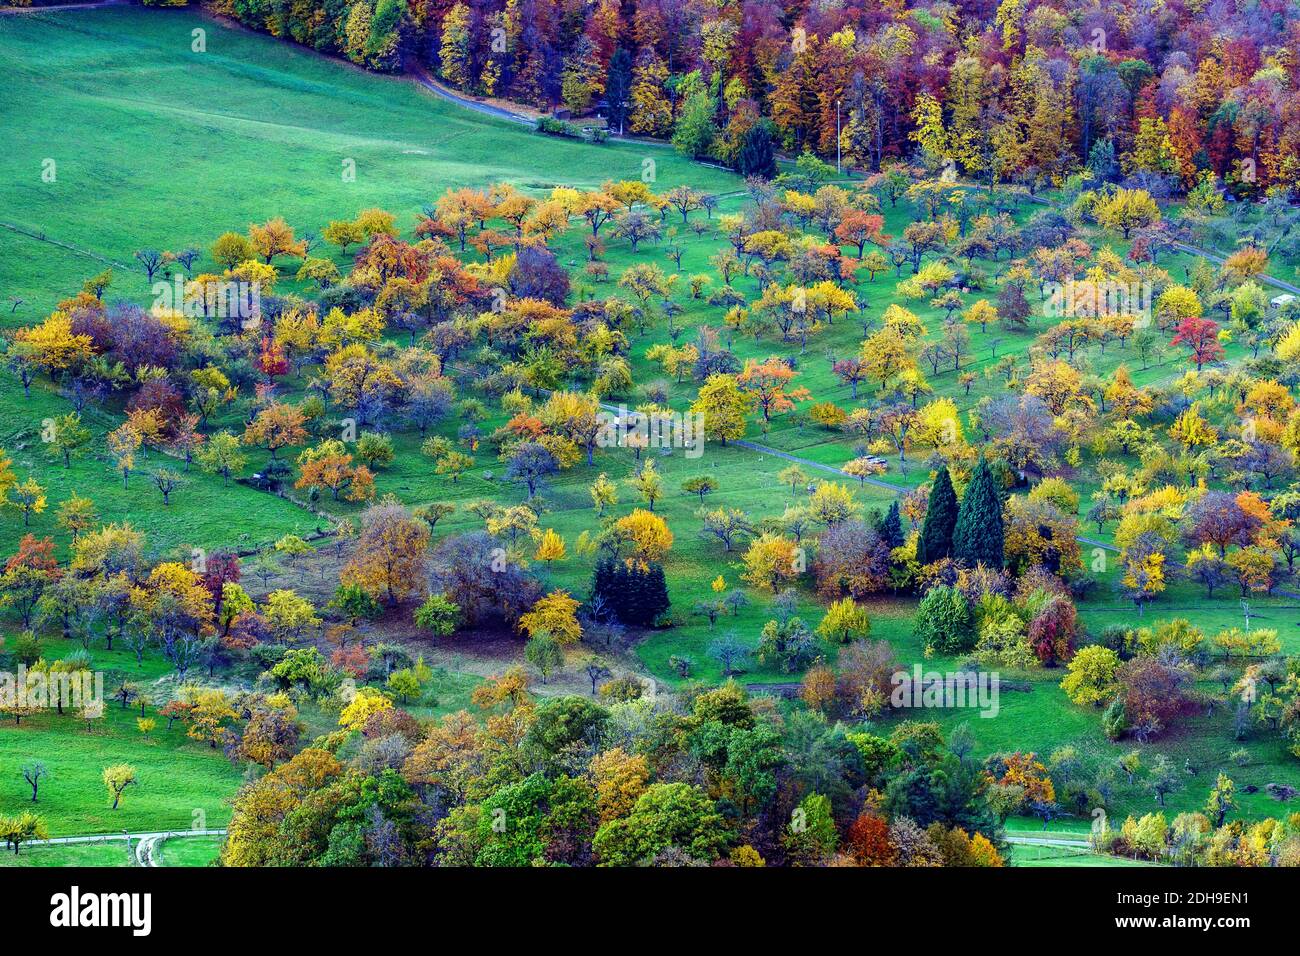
x,y
1035,840
487,109
765,450
14,11
144,846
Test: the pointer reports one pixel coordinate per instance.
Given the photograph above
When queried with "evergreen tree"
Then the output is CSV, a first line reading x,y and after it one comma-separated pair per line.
x,y
936,540
977,537
618,88
891,529
654,593
945,621
757,157
634,594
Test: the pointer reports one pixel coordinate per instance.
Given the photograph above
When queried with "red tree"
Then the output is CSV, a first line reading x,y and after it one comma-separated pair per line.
x,y
1201,336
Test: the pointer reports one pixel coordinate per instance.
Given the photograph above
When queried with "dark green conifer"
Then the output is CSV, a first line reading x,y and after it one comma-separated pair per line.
x,y
977,537
936,542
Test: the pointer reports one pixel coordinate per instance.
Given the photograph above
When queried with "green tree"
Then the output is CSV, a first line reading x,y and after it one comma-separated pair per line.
x,y
667,815
944,620
936,541
757,156
977,535
1221,800
696,130
68,437
438,615
544,653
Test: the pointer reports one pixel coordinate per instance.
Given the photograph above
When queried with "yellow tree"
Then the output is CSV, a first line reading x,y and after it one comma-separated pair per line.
x,y
389,559
1126,210
364,704
51,346
276,426
771,560
724,405
27,497
647,533
886,354
550,547
845,621
555,614
117,778
604,494
620,778
648,483
275,238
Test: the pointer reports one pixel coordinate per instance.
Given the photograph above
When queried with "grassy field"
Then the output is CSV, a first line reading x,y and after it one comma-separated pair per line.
x,y
155,145
173,147
108,853
1025,855
180,780
189,851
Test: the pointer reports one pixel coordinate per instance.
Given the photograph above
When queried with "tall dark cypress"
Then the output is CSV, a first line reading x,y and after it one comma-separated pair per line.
x,y
977,538
634,594
936,542
891,529
618,88
655,593
757,156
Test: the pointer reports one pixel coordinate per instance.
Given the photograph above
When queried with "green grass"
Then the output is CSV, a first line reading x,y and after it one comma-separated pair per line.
x,y
199,515
108,853
189,851
173,147
180,780
158,146
1026,855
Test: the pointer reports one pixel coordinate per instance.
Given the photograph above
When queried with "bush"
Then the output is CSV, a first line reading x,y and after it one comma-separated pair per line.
x,y
554,127
945,622
1114,720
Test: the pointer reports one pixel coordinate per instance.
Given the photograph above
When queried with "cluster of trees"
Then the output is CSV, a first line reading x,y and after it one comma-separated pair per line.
x,y
1204,838
716,778
1146,678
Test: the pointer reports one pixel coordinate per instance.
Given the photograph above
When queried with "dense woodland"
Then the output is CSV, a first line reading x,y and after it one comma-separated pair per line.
x,y
1019,91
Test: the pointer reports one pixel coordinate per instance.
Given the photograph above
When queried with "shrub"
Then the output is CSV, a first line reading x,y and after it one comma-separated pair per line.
x,y
945,622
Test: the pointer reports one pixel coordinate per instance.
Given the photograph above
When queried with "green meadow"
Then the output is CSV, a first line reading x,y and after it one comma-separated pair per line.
x,y
156,144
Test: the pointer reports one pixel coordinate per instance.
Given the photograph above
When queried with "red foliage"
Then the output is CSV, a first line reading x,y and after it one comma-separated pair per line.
x,y
221,567
1052,632
868,840
351,659
166,398
34,553
272,362
1201,336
